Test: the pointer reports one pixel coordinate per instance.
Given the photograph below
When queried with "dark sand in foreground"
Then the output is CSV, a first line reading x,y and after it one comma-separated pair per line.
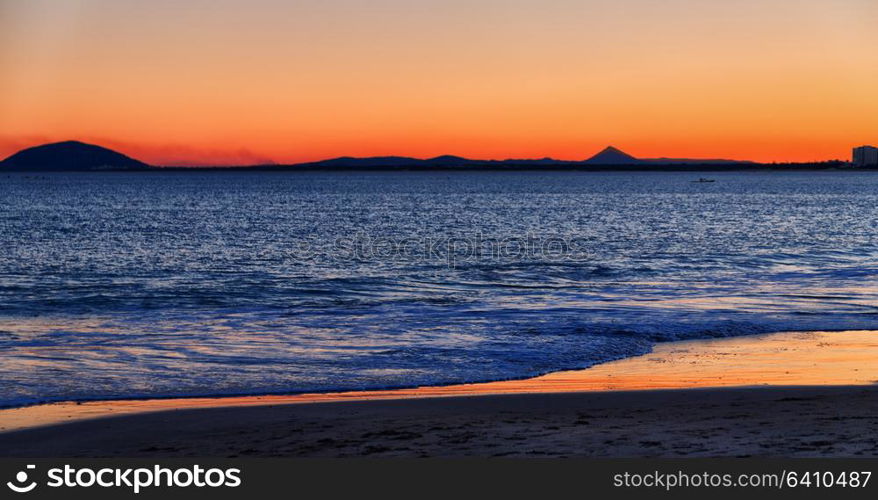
x,y
816,397
776,422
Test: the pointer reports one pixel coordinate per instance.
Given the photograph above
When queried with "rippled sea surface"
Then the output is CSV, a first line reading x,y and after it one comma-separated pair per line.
x,y
160,284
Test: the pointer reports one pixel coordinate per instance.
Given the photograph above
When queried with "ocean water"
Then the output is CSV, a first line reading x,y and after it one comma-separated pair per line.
x,y
118,285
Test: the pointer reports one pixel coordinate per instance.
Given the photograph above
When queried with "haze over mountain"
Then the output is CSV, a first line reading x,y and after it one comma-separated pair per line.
x,y
70,156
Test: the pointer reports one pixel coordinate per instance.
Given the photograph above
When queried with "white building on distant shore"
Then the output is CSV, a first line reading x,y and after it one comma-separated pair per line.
x,y
866,156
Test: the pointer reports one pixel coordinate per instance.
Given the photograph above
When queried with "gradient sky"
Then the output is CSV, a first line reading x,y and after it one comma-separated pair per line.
x,y
226,82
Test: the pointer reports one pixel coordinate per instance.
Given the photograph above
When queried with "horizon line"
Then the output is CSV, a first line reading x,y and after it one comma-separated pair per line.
x,y
272,163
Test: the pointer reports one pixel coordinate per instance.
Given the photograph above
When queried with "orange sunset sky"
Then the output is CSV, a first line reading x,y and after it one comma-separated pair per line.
x,y
237,82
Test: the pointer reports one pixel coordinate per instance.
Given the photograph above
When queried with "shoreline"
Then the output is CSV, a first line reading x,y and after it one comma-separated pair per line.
x,y
814,359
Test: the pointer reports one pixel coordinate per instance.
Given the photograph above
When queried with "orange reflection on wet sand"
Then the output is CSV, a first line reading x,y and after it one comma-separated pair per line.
x,y
783,359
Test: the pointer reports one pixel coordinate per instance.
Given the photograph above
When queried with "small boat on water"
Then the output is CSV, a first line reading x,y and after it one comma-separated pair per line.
x,y
702,179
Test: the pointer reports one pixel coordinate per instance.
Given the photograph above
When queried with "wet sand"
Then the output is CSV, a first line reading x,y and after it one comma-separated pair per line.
x,y
729,397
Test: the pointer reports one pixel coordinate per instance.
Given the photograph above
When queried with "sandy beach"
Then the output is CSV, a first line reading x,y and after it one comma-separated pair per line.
x,y
789,394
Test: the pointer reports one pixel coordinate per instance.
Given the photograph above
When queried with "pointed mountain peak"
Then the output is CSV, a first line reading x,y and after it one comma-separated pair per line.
x,y
613,149
612,156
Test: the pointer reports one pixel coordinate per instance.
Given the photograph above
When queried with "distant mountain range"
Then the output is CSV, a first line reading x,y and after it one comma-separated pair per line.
x,y
79,156
609,157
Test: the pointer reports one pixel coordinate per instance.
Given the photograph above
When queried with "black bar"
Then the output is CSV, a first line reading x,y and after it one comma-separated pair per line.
x,y
452,479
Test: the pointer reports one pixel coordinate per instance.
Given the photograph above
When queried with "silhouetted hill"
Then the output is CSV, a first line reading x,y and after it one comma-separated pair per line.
x,y
70,156
374,161
448,160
